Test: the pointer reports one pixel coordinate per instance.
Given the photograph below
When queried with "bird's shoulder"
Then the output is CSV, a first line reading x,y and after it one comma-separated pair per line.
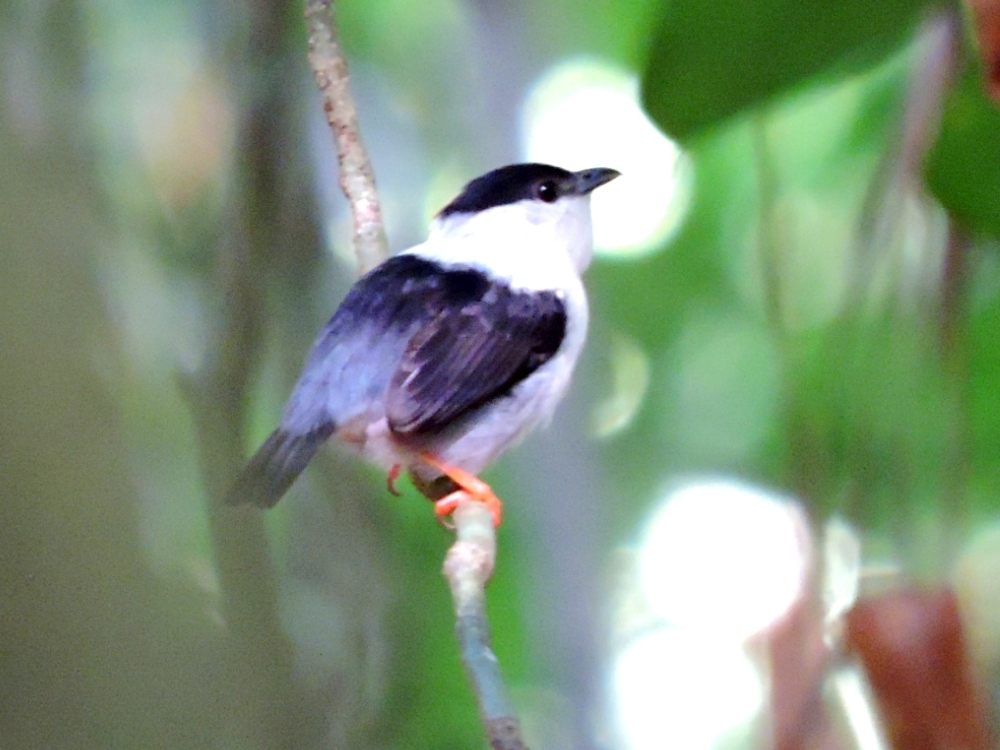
x,y
406,289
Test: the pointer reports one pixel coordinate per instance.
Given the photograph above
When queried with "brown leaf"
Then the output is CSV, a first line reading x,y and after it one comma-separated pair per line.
x,y
914,651
986,20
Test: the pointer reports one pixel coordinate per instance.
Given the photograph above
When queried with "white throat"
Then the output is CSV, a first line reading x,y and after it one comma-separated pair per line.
x,y
531,244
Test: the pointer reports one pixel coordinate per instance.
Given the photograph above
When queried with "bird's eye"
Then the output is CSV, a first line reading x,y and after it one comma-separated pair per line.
x,y
547,191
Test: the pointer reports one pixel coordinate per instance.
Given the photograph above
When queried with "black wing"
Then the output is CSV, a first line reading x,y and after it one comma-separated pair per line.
x,y
355,355
352,362
470,354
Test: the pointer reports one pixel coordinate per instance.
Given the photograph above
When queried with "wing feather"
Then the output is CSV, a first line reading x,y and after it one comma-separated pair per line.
x,y
472,354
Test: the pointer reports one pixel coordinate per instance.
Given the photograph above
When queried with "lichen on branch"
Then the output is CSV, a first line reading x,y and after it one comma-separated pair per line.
x,y
357,178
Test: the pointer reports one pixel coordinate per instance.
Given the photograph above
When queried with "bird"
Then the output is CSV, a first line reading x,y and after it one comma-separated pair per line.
x,y
447,354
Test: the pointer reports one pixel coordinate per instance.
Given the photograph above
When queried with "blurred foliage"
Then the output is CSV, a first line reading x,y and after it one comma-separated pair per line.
x,y
963,169
819,324
712,60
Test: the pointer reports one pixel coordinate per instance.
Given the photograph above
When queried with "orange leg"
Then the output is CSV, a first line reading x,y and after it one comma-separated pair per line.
x,y
470,487
391,479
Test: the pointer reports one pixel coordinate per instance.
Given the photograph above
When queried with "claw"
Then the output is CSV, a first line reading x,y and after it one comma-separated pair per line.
x,y
444,507
447,505
471,487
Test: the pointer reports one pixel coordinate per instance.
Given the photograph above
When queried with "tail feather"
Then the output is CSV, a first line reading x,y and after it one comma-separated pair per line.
x,y
275,466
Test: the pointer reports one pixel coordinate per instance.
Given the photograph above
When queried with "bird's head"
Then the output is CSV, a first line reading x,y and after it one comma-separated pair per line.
x,y
533,202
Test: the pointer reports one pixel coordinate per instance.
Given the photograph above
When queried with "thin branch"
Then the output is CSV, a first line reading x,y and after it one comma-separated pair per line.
x,y
357,178
940,38
899,169
468,567
470,560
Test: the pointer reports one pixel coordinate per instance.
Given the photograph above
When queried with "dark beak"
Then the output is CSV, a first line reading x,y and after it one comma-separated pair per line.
x,y
589,179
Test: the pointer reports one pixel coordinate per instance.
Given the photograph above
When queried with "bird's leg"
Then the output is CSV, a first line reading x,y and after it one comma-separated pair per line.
x,y
470,486
392,477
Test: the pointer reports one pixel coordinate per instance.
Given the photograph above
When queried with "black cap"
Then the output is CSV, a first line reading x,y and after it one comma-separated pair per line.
x,y
518,182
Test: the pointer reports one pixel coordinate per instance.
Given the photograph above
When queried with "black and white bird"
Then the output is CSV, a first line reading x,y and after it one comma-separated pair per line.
x,y
444,356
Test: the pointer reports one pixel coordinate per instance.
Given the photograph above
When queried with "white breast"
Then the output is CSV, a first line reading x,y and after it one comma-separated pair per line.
x,y
532,402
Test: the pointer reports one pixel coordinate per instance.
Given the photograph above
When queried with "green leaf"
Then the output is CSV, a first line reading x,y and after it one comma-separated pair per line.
x,y
710,60
963,168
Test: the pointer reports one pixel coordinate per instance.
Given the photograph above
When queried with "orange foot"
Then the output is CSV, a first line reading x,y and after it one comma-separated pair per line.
x,y
470,487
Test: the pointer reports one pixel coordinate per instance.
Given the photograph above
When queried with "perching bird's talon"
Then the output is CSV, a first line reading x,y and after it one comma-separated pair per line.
x,y
471,488
447,505
444,507
390,481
